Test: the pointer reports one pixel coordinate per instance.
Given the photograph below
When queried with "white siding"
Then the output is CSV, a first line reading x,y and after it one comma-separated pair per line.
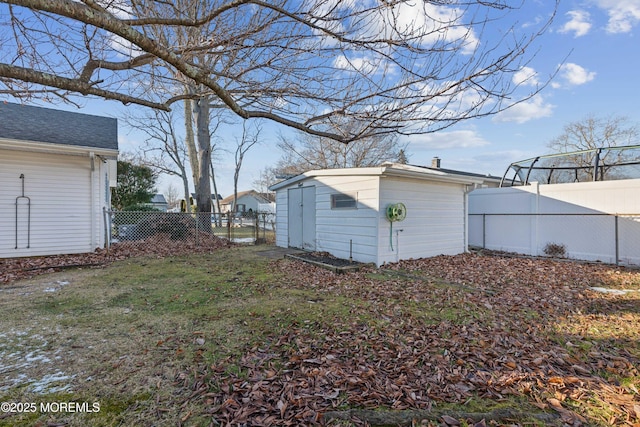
x,y
249,202
66,203
341,232
435,221
282,220
345,232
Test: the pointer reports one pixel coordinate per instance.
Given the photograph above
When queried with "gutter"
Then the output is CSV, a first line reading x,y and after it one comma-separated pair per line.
x,y
396,170
65,149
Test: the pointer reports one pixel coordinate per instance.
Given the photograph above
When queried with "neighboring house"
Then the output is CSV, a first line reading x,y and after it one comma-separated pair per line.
x,y
345,212
248,201
56,170
159,202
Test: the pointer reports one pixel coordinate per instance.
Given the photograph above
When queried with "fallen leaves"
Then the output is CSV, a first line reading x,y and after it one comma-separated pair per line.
x,y
423,334
157,246
453,329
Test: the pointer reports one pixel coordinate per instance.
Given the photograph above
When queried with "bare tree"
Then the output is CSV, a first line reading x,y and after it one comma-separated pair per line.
x,y
585,142
247,140
164,148
305,152
403,157
307,65
302,64
265,179
172,196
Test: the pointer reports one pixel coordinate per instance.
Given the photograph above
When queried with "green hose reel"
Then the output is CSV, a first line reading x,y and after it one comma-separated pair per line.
x,y
395,212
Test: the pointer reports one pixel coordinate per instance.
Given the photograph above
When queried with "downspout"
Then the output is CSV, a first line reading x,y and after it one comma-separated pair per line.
x,y
92,196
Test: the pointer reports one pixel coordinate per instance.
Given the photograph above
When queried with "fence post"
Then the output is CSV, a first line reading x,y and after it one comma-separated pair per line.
x,y
107,229
617,236
256,222
484,231
197,226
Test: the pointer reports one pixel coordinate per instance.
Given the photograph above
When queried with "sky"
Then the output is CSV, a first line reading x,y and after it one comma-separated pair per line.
x,y
593,45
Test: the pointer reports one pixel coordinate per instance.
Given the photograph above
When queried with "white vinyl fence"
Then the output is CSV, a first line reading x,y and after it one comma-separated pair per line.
x,y
596,221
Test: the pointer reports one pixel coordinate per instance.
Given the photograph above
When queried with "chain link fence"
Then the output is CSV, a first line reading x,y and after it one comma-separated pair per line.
x,y
609,238
150,227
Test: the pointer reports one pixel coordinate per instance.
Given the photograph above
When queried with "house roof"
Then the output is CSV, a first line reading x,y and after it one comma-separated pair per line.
x,y
213,196
392,169
266,197
158,199
46,125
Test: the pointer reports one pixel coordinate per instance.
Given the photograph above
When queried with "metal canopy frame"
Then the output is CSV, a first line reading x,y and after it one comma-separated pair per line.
x,y
603,162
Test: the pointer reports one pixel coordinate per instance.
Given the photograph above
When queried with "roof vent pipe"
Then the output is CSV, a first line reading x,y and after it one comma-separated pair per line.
x,y
435,162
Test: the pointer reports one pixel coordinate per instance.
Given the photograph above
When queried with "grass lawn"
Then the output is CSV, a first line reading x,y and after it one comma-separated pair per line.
x,y
235,338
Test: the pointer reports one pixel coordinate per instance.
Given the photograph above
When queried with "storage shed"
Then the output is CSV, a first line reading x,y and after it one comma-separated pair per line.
x,y
347,212
56,170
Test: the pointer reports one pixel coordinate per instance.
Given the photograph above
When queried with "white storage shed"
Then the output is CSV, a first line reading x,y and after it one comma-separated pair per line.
x,y
345,212
56,169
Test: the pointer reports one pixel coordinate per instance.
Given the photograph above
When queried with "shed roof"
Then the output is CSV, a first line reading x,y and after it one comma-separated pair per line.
x,y
38,124
390,169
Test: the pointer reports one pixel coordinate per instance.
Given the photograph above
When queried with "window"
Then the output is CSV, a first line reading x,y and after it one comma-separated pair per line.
x,y
343,201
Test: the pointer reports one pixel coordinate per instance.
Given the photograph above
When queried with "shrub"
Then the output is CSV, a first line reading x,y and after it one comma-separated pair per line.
x,y
556,250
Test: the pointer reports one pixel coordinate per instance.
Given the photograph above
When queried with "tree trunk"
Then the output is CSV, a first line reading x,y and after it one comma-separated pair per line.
x,y
189,140
185,186
217,201
202,184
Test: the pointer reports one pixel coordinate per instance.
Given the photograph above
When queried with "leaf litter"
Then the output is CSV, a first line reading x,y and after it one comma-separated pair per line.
x,y
473,327
425,334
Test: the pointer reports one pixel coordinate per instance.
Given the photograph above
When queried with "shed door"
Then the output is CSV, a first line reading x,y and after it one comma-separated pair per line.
x,y
302,218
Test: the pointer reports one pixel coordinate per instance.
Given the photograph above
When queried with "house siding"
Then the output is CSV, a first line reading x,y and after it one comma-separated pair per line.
x,y
435,222
66,203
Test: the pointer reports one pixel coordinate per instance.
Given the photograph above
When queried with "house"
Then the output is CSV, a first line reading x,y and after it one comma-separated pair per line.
x,y
376,214
159,202
248,201
56,170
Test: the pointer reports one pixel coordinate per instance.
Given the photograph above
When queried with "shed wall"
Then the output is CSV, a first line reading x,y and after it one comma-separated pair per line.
x,y
348,232
66,203
341,232
435,222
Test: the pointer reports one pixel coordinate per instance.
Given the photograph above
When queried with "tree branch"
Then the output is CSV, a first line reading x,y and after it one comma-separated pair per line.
x,y
46,79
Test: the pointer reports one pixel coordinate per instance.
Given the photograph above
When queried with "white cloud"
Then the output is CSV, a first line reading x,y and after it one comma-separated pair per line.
x,y
424,23
526,76
447,140
578,23
573,75
365,64
623,14
120,9
535,108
